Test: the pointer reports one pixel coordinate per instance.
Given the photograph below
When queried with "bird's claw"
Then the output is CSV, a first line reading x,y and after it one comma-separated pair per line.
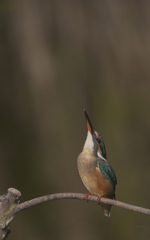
x,y
86,196
99,199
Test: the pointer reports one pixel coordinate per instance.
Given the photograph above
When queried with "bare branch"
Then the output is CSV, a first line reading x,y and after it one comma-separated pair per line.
x,y
80,196
9,206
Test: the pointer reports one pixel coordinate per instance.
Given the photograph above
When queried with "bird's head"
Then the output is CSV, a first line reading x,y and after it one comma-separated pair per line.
x,y
94,143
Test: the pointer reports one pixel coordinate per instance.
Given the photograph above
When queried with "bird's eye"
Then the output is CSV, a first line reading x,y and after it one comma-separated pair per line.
x,y
98,140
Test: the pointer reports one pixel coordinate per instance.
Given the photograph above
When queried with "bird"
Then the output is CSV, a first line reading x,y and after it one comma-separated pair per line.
x,y
96,173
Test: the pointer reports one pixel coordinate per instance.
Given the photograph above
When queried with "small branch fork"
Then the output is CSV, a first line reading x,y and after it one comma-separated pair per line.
x,y
9,205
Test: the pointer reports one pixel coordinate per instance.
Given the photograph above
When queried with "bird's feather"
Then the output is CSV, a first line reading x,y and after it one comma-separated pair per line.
x,y
107,171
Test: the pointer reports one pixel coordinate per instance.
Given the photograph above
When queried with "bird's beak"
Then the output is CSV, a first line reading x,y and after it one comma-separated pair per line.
x,y
89,125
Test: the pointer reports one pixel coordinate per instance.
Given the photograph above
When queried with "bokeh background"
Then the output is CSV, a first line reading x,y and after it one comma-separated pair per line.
x,y
56,58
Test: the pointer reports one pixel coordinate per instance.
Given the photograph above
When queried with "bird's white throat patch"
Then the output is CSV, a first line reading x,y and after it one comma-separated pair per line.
x,y
100,155
89,144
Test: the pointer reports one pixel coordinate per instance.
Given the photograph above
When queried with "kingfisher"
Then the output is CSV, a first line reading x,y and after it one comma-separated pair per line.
x,y
96,173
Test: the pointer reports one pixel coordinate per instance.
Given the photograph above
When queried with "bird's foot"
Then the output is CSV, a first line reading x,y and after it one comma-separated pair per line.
x,y
99,198
86,196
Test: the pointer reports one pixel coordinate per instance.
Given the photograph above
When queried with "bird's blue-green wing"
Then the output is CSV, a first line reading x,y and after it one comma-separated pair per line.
x,y
107,171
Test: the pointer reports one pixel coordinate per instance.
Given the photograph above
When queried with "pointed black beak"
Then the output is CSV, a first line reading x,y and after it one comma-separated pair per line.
x,y
89,125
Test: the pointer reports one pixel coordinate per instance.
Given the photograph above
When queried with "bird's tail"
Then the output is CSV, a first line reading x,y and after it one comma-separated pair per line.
x,y
106,209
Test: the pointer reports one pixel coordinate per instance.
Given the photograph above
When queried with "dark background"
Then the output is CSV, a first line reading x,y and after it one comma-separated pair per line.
x,y
56,58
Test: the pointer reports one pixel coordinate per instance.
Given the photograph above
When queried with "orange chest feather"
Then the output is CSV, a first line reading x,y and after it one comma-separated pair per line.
x,y
93,179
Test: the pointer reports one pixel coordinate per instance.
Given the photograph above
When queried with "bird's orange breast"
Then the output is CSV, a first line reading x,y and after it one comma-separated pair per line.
x,y
93,179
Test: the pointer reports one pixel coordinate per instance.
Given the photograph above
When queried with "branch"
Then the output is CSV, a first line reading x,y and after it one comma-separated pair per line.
x,y
8,203
80,196
9,206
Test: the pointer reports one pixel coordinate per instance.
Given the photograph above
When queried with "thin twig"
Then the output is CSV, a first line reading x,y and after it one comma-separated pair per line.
x,y
35,201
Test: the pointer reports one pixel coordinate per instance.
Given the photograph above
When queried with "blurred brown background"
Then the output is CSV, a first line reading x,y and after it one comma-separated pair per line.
x,y
56,58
